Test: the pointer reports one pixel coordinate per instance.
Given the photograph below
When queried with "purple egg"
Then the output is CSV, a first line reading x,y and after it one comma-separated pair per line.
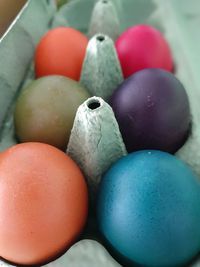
x,y
152,110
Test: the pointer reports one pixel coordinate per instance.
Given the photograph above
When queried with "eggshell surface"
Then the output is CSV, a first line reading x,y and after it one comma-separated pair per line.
x,y
143,46
61,51
148,209
44,203
46,108
152,110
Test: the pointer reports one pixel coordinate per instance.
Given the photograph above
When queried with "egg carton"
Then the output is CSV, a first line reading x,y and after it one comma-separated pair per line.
x,y
95,119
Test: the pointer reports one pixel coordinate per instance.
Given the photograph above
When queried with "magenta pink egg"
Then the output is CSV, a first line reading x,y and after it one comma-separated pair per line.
x,y
141,47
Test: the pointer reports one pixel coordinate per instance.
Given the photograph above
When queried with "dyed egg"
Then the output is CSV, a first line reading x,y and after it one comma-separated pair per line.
x,y
141,47
152,110
46,109
148,209
61,51
44,203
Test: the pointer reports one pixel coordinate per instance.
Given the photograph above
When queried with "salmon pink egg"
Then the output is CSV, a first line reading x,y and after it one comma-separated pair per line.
x,y
44,203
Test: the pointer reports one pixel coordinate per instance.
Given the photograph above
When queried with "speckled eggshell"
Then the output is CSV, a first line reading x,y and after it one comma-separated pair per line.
x,y
152,110
149,209
43,203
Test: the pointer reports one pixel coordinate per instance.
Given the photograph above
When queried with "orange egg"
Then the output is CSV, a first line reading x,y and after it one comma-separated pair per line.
x,y
61,51
43,203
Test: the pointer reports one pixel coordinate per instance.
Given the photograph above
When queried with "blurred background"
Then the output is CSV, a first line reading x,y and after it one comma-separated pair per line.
x,y
9,10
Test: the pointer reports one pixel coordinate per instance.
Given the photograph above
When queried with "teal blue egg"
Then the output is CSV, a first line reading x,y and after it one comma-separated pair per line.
x,y
148,209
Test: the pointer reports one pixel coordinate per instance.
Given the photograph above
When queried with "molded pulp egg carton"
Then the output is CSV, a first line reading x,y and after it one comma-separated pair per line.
x,y
178,19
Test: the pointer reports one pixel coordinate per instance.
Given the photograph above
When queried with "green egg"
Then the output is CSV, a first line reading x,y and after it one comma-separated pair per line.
x,y
46,109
